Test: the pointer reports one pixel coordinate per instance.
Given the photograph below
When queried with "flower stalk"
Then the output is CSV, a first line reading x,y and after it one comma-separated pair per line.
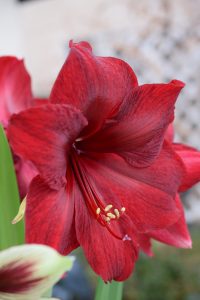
x,y
113,290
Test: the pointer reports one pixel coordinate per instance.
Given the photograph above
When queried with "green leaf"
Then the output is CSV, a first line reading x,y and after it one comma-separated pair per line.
x,y
109,291
9,198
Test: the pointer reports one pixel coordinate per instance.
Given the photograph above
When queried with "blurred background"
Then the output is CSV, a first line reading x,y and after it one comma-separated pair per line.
x,y
160,39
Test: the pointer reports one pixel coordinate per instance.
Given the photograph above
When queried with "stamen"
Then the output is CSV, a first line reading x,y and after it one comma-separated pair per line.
x,y
110,215
108,207
103,214
98,210
116,211
21,212
107,219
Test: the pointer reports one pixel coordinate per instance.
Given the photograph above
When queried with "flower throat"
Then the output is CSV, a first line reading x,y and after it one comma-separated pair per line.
x,y
104,214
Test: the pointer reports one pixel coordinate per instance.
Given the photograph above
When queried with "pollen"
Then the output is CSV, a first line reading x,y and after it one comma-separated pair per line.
x,y
108,207
107,219
98,210
117,214
111,216
108,213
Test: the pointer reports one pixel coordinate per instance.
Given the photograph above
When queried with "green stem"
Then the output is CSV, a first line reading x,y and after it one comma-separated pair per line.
x,y
109,291
9,198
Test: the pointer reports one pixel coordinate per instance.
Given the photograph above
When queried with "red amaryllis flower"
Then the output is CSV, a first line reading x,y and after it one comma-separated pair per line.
x,y
15,96
105,174
177,234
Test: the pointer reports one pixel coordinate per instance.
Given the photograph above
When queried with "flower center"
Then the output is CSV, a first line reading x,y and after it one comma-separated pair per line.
x,y
109,213
104,214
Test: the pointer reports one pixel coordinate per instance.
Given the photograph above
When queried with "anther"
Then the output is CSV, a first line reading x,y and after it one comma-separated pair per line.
x,y
107,219
108,207
123,209
98,210
116,211
111,216
21,212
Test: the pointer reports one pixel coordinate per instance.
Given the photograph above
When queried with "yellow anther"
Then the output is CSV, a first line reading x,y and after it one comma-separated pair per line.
x,y
108,207
20,213
111,216
123,209
116,211
98,210
107,219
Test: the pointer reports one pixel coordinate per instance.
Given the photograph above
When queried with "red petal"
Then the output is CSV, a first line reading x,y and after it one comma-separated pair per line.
x,y
145,244
25,172
50,216
109,257
169,135
44,135
140,126
95,85
148,194
191,160
15,88
40,101
177,234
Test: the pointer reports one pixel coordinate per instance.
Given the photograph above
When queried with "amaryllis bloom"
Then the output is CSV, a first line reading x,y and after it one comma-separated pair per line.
x,y
106,175
15,96
177,234
28,271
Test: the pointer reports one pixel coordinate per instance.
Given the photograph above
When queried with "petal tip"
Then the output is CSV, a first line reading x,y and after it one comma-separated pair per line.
x,y
188,244
178,83
83,45
71,43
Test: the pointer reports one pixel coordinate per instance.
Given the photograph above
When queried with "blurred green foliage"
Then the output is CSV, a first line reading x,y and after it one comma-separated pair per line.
x,y
172,274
